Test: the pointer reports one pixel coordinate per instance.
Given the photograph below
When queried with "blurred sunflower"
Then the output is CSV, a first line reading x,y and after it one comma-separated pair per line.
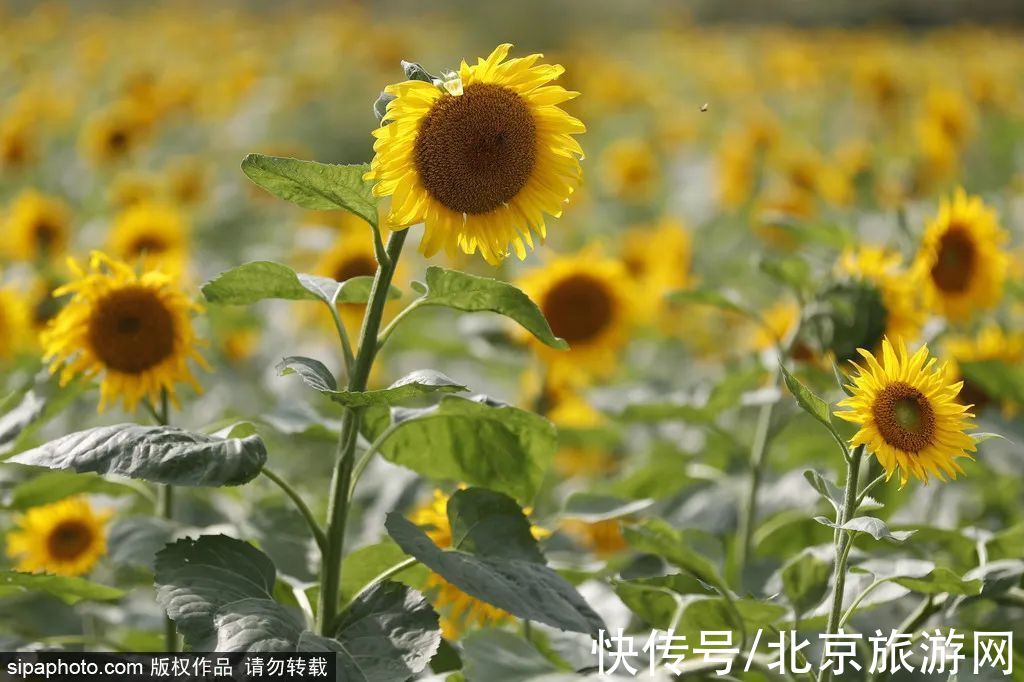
x,y
589,301
18,143
780,319
351,255
130,187
603,538
991,344
630,170
134,329
908,414
153,234
459,611
658,258
112,134
15,323
37,227
185,178
962,260
480,158
64,538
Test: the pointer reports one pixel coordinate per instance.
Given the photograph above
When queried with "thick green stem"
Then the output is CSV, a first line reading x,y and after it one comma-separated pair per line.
x,y
165,507
844,540
337,507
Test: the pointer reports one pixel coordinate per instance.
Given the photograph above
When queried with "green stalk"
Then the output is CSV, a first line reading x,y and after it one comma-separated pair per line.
x,y
341,480
165,506
844,541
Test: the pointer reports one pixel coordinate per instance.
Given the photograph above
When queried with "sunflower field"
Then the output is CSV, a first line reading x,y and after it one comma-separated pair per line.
x,y
663,351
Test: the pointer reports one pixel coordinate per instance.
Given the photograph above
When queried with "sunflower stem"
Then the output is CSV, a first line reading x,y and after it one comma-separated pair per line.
x,y
843,544
165,507
341,480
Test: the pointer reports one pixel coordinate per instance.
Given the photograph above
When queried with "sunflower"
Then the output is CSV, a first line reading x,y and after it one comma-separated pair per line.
x,y
962,259
18,144
112,134
129,188
15,323
779,321
459,611
589,301
154,234
134,329
877,298
352,255
630,170
991,344
65,538
480,158
658,258
37,227
908,414
603,538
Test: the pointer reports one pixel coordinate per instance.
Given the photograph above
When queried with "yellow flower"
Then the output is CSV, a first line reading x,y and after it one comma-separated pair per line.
x,y
154,234
18,145
37,227
352,255
658,258
991,343
603,538
630,170
15,323
780,320
908,414
459,611
480,158
113,133
186,181
132,187
134,329
962,260
589,301
65,538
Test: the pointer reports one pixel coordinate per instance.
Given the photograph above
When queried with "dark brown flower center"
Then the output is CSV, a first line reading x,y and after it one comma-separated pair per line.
x,y
579,308
356,266
955,263
904,417
46,235
476,151
117,141
69,539
150,243
131,330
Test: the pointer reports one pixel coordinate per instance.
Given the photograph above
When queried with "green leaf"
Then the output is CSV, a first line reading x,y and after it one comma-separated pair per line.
x,y
160,454
313,372
32,406
792,271
592,508
314,185
805,580
257,281
67,589
526,589
414,385
195,578
389,633
488,523
876,528
255,624
501,656
136,540
56,485
709,297
493,446
472,294
811,404
658,599
657,537
362,566
939,581
828,490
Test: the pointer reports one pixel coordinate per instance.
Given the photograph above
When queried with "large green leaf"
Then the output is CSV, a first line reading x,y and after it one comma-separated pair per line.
x,y
389,633
526,589
56,485
136,540
32,406
161,454
195,578
255,624
67,589
310,184
657,537
811,403
414,385
487,523
500,656
256,281
363,565
493,446
805,580
470,293
658,599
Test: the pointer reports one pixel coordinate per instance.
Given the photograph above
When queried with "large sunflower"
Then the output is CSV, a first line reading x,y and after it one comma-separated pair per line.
x,y
589,301
66,538
908,414
480,158
962,260
134,329
37,227
154,234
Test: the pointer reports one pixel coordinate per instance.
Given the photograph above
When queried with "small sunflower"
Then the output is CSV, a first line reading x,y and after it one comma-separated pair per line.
x,y
113,134
480,158
64,538
991,344
962,258
659,260
603,538
15,323
154,234
908,414
37,227
459,611
630,170
134,329
589,301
